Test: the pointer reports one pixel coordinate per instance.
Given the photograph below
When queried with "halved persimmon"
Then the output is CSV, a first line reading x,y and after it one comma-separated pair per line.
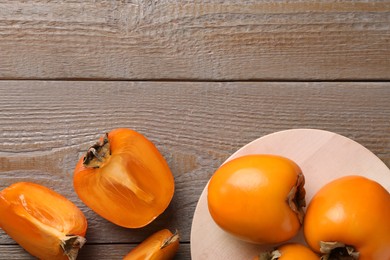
x,y
43,222
161,245
124,179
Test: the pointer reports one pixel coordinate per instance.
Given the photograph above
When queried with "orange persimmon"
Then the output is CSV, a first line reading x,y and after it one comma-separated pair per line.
x,y
258,198
124,179
290,251
43,222
350,217
162,245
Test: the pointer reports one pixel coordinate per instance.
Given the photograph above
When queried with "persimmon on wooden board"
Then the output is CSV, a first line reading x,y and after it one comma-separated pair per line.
x,y
289,251
350,216
258,198
323,156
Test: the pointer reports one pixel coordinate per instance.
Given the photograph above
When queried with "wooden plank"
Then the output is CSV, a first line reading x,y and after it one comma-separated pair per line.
x,y
112,252
195,40
46,126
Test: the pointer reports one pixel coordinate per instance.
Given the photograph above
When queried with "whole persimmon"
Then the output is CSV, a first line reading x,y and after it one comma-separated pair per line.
x,y
258,198
124,179
350,217
290,251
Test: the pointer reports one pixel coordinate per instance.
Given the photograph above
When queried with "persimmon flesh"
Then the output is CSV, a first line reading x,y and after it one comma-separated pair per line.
x,y
258,198
161,245
124,179
43,222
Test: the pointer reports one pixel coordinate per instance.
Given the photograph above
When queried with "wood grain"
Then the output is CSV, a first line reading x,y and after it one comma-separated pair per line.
x,y
46,126
104,251
195,40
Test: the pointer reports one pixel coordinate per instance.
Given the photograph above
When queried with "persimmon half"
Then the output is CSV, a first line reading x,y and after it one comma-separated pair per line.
x,y
43,222
124,179
161,245
258,198
349,218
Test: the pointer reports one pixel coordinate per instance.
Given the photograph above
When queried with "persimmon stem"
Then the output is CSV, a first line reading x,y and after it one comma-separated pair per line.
x,y
270,255
296,197
338,251
97,153
71,246
94,152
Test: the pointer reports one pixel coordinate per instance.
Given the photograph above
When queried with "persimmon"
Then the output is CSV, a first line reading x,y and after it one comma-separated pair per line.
x,y
258,198
124,179
349,218
43,222
290,251
162,245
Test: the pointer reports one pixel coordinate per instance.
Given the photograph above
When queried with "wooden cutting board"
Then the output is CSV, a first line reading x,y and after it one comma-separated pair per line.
x,y
322,156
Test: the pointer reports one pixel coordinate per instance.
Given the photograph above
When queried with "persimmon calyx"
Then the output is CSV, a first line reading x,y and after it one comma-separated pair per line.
x,y
71,246
338,251
97,153
170,240
296,197
270,255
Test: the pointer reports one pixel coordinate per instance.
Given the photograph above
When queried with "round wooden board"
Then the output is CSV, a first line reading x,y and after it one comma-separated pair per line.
x,y
322,156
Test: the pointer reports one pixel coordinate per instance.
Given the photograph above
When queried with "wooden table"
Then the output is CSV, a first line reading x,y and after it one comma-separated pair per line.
x,y
199,79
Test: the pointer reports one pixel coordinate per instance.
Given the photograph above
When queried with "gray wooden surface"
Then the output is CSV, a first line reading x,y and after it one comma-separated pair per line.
x,y
195,40
47,125
200,79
